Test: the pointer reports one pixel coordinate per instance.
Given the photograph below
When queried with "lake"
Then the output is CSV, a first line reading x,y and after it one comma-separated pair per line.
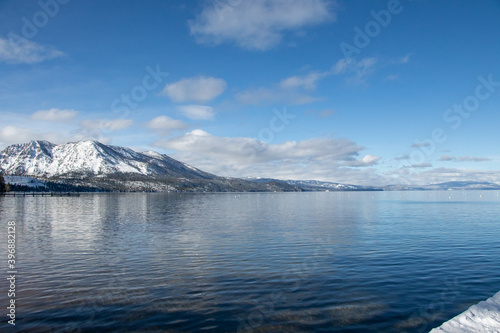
x,y
250,262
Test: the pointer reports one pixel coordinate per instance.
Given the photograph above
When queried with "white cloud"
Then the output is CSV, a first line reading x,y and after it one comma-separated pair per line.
x,y
95,129
361,68
165,125
341,66
447,158
472,159
259,95
197,111
297,89
366,66
13,135
420,145
327,113
264,95
198,89
319,158
366,161
101,124
307,82
402,158
421,165
60,132
392,77
17,49
257,24
405,59
54,115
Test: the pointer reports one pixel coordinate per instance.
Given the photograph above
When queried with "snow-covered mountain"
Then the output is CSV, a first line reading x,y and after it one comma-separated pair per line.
x,y
86,158
447,186
316,185
93,165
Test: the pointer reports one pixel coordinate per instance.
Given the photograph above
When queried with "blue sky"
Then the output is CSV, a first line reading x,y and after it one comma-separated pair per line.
x,y
363,92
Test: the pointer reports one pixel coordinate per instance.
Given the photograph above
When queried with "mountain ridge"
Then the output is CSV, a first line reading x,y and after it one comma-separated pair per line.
x,y
96,165
44,159
91,164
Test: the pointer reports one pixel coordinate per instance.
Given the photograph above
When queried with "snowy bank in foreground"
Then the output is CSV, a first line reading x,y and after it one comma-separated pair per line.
x,y
482,317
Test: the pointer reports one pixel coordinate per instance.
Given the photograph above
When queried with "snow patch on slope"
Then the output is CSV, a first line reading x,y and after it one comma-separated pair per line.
x,y
46,160
24,181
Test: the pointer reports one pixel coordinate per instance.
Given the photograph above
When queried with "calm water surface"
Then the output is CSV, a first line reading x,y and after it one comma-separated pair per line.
x,y
260,262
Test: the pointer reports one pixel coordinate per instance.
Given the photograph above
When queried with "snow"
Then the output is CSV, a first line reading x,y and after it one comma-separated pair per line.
x,y
25,181
190,167
322,184
153,154
482,317
42,159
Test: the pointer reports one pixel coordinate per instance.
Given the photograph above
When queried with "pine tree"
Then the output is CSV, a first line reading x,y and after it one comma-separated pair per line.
x,y
2,184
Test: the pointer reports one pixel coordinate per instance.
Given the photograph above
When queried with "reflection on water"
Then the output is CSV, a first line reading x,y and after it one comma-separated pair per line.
x,y
281,262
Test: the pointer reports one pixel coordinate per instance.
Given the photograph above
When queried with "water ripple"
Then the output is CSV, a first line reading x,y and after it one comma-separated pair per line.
x,y
260,262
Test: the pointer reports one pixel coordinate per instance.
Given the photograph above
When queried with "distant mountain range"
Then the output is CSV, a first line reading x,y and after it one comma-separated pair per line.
x,y
316,185
93,166
457,185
